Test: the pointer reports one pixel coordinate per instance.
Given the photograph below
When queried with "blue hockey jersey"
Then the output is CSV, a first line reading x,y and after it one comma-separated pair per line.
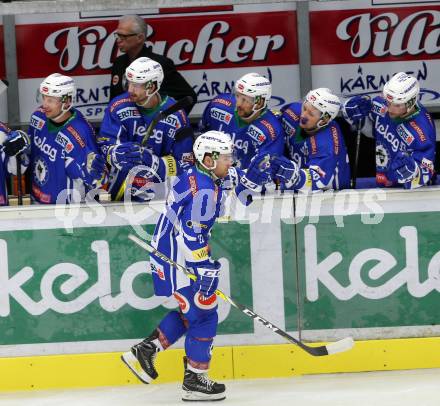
x,y
58,157
183,230
415,135
263,135
124,121
324,153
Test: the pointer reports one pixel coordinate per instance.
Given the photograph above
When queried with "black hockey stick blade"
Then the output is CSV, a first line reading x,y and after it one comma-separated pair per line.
x,y
179,105
332,348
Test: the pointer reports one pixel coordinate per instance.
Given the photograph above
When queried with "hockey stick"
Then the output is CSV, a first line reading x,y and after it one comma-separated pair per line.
x,y
356,157
19,178
339,346
180,104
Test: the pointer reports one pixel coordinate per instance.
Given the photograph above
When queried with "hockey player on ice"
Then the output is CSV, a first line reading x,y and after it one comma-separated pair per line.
x,y
182,233
403,130
317,156
245,116
126,119
63,156
12,143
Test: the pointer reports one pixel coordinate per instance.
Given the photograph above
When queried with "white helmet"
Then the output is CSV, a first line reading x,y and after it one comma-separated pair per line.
x,y
326,102
58,85
212,142
402,89
256,86
144,70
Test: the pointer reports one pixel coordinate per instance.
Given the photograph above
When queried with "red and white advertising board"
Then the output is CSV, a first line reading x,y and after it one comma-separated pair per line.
x,y
364,42
211,47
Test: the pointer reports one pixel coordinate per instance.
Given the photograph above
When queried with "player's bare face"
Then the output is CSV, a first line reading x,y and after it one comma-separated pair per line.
x,y
137,92
51,106
224,162
309,116
397,110
244,105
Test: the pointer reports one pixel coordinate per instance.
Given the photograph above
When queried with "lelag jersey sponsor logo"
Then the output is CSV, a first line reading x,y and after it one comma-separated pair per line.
x,y
44,147
387,135
221,115
256,134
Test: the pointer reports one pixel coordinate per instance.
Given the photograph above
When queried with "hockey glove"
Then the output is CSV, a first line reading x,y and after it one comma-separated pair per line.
x,y
96,169
285,171
257,174
151,162
258,171
207,273
404,167
16,143
124,156
251,181
356,109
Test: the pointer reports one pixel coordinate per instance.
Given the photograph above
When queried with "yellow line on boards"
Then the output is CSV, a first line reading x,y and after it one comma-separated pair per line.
x,y
241,362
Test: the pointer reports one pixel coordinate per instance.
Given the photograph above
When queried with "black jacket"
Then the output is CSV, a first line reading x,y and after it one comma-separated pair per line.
x,y
174,84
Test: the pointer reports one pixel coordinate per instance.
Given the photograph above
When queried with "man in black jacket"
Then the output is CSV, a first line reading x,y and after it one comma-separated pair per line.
x,y
130,38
